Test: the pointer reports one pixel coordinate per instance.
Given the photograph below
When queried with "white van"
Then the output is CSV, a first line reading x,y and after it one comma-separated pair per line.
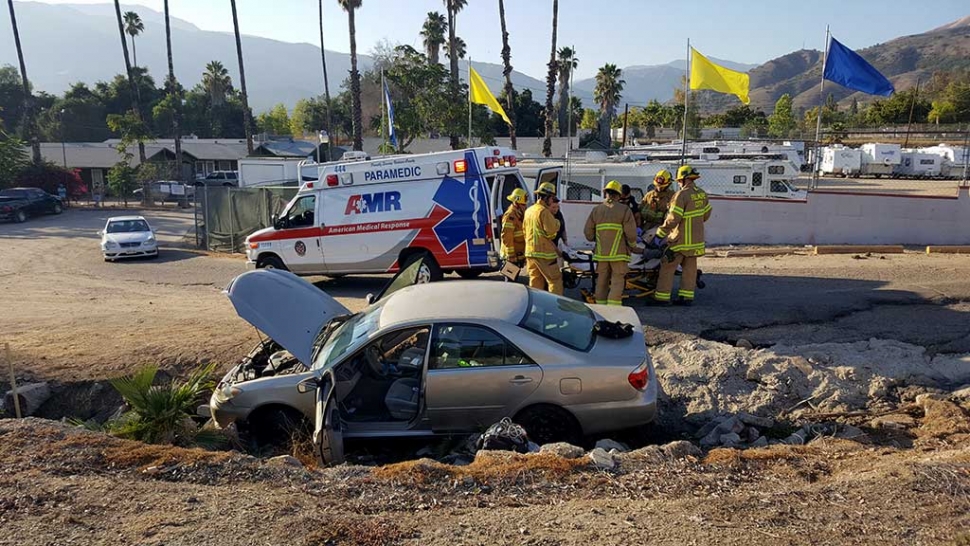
x,y
378,215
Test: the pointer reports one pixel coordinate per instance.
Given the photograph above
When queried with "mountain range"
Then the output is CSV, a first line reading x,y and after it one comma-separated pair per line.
x,y
68,43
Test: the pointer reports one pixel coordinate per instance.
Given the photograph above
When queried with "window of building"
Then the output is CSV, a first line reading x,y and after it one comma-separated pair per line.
x,y
740,179
756,179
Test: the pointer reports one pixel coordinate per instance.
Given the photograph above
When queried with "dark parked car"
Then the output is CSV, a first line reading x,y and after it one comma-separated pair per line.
x,y
219,178
18,204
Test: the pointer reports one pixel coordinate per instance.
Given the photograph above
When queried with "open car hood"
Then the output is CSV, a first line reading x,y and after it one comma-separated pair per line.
x,y
285,307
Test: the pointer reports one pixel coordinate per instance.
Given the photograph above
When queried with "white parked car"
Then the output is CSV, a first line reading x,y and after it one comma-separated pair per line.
x,y
127,237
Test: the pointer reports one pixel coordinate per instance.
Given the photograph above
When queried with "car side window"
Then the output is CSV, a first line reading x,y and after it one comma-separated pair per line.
x,y
466,346
302,212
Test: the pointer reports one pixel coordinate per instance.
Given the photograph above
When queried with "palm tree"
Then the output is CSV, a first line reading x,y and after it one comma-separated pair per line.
x,y
567,62
433,35
350,6
29,129
608,91
453,7
326,85
216,82
174,91
134,27
247,122
135,99
551,82
507,71
460,48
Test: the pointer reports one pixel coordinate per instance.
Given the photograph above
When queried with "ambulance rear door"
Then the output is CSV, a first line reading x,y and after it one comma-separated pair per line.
x,y
501,186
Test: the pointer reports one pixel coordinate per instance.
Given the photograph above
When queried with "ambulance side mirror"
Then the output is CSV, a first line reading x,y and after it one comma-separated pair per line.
x,y
370,299
277,224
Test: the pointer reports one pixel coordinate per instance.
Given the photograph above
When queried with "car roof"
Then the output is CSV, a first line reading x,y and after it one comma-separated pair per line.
x,y
125,218
456,300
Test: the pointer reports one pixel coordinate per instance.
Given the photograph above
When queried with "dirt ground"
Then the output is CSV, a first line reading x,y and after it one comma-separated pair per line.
x,y
70,318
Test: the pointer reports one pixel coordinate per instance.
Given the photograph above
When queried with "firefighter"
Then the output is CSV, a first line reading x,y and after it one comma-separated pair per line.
x,y
513,236
684,230
612,225
541,254
656,203
627,199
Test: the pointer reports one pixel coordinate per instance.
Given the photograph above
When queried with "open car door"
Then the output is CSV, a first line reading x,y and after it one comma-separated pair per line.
x,y
328,433
414,273
552,175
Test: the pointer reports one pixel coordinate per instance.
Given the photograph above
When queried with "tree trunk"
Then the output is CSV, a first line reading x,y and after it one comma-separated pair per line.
x,y
551,83
355,83
326,89
134,52
564,129
605,128
454,73
177,118
507,71
247,122
29,126
135,102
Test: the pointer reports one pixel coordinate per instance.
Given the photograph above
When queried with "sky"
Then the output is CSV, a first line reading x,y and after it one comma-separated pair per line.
x,y
622,32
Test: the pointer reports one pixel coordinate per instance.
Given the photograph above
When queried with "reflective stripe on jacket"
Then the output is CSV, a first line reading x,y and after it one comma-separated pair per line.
x,y
540,229
685,221
513,234
612,225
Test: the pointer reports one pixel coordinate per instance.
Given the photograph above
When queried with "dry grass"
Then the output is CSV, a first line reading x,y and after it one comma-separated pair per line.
x,y
138,455
494,468
340,530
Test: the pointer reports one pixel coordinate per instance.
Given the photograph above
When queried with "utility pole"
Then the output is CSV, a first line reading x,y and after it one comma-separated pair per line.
x,y
912,105
626,114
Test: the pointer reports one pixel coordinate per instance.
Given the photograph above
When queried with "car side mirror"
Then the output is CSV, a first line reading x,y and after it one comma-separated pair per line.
x,y
371,298
309,384
277,222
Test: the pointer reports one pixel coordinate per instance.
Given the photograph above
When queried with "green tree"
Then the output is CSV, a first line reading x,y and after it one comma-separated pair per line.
x,y
942,110
351,6
895,109
275,122
551,83
121,177
217,82
782,122
13,158
452,7
433,35
590,120
461,49
567,62
607,93
419,89
133,27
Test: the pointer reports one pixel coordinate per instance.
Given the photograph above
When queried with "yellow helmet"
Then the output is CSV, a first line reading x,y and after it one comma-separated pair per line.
x,y
662,180
613,185
686,172
518,196
546,188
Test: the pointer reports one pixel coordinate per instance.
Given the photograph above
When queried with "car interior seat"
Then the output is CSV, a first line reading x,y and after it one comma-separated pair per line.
x,y
402,398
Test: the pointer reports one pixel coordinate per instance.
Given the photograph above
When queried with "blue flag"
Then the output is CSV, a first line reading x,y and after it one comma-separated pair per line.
x,y
846,68
390,116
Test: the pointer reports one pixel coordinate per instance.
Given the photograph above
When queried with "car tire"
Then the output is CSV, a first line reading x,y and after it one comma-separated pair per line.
x,y
58,208
277,427
469,274
547,424
271,262
431,272
20,217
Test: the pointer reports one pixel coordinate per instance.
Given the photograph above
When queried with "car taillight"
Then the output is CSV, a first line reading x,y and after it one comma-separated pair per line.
x,y
639,377
511,160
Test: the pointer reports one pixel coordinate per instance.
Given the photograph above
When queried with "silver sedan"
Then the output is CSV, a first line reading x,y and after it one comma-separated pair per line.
x,y
439,358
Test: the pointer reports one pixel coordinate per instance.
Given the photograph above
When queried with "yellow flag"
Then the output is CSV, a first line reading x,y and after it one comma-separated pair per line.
x,y
479,94
706,75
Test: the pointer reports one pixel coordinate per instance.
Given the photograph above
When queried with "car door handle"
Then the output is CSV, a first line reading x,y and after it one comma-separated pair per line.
x,y
520,380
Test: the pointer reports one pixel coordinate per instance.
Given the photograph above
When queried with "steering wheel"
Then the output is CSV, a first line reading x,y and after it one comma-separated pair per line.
x,y
373,356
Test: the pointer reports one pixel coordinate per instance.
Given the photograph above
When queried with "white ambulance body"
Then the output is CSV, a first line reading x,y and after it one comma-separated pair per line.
x,y
375,215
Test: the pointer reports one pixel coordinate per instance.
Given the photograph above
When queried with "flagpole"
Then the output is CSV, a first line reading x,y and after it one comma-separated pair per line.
x,y
683,148
383,110
818,120
469,102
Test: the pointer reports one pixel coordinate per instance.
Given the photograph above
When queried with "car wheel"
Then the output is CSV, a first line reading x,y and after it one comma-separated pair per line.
x,y
278,427
58,208
547,424
469,273
20,217
271,262
429,271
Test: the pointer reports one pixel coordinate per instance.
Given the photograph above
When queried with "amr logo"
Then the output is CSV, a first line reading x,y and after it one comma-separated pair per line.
x,y
384,201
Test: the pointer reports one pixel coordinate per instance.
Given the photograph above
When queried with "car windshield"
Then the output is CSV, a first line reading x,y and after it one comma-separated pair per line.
x,y
346,336
127,226
560,319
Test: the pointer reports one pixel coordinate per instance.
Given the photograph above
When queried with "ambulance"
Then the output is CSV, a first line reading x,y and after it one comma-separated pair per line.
x,y
378,215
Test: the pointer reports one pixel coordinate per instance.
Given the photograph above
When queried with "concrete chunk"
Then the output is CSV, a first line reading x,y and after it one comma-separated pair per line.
x,y
31,395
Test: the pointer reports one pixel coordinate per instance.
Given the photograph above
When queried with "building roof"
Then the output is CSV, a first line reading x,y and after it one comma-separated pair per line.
x,y
457,300
287,148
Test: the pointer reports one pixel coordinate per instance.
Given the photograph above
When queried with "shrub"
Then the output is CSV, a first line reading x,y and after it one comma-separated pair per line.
x,y
48,177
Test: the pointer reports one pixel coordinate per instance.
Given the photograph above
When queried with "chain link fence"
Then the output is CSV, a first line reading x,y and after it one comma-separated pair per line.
x,y
226,215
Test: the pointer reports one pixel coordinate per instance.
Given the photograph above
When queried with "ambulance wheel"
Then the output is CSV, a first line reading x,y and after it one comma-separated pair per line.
x,y
469,273
271,262
429,271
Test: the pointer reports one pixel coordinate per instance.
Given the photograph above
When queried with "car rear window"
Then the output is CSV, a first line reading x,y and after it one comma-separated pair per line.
x,y
562,320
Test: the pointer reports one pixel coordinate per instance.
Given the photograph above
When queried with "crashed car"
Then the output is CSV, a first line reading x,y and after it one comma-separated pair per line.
x,y
427,359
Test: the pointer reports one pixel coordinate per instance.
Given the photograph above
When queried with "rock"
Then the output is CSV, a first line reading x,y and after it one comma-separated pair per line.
x,y
895,421
730,439
743,344
652,454
711,425
728,426
680,449
285,460
425,451
31,396
755,421
963,393
797,438
760,442
750,434
601,459
563,449
849,432
610,445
